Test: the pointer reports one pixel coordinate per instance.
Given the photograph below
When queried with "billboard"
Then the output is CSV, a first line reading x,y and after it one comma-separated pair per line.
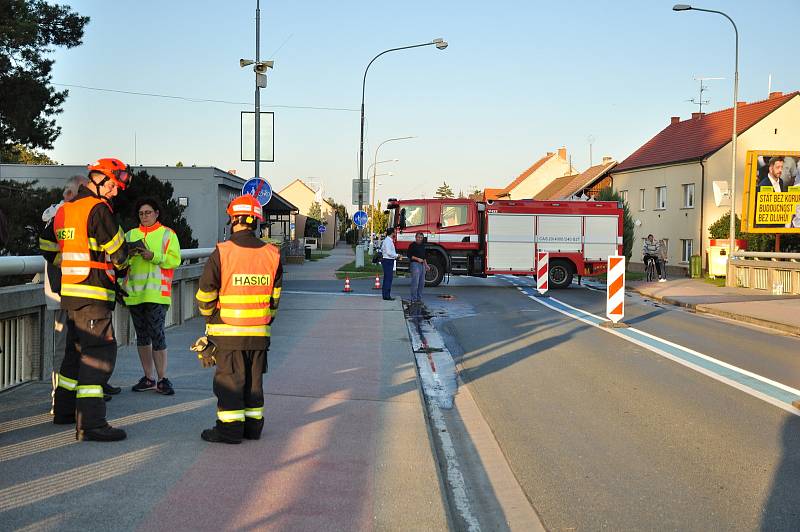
x,y
771,199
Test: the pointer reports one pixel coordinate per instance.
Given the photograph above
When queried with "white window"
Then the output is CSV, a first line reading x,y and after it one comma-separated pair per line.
x,y
454,215
415,215
688,196
687,249
624,195
641,199
661,198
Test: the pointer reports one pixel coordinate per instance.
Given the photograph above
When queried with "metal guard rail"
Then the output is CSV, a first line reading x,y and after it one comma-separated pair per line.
x,y
766,255
31,264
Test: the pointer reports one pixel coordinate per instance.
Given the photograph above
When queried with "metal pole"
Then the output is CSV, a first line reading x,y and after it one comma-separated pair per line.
x,y
732,227
258,95
361,144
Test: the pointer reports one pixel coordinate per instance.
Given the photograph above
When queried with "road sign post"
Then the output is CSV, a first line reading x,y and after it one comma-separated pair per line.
x,y
615,288
321,228
542,272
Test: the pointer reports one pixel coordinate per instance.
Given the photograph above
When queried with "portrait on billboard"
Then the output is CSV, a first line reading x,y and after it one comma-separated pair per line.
x,y
772,192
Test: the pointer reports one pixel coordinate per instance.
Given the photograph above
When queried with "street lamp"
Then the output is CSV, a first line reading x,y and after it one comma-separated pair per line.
x,y
440,44
374,165
260,68
732,227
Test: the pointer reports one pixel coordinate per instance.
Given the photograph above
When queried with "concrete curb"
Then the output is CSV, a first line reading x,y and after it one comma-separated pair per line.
x,y
722,313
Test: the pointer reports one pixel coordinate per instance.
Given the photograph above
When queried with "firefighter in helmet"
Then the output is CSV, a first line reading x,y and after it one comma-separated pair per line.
x,y
88,245
239,293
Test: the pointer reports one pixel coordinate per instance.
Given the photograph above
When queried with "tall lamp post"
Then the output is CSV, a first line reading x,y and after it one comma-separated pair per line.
x,y
440,44
372,196
732,228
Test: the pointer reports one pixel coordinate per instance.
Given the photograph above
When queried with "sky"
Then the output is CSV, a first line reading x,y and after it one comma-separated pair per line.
x,y
518,79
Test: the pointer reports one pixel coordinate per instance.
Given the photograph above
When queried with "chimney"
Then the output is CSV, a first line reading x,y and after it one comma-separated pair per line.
x,y
549,153
607,159
741,104
674,120
697,115
776,94
562,153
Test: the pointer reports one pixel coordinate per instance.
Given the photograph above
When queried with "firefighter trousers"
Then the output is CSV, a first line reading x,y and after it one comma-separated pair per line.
x,y
89,357
240,393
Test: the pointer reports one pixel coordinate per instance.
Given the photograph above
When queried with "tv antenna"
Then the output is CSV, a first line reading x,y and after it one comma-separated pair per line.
x,y
590,139
703,88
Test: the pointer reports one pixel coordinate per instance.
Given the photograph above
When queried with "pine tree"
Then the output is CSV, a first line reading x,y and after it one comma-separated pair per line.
x,y
444,191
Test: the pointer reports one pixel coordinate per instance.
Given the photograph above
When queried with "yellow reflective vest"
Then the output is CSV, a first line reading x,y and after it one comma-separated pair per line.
x,y
150,281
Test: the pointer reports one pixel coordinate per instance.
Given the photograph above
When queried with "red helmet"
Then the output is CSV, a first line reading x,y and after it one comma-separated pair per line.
x,y
113,169
245,205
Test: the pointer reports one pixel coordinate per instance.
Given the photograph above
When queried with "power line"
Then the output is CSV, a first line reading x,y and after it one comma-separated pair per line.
x,y
202,100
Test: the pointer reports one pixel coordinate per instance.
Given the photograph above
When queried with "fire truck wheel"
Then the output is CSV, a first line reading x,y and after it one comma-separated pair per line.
x,y
434,276
560,274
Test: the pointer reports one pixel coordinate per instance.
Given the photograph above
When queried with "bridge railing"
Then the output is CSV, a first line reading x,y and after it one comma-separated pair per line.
x,y
27,334
778,273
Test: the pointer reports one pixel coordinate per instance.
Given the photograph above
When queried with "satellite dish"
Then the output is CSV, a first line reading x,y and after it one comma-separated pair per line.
x,y
722,195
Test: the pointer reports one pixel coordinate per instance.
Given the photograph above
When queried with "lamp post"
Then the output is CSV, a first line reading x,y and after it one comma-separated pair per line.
x,y
374,166
440,44
260,68
732,228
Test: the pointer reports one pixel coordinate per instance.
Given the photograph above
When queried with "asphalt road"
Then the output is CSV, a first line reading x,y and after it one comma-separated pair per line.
x,y
604,434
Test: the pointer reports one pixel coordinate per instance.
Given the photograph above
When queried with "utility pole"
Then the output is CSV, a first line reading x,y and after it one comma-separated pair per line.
x,y
258,89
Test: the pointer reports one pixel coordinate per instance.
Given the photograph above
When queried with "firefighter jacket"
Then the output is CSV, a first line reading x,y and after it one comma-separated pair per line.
x,y
89,246
239,292
150,281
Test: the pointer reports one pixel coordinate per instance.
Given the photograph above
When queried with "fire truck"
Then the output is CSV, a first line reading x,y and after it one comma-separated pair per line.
x,y
482,238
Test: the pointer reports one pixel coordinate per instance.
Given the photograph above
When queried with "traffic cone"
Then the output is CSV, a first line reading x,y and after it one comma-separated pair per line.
x,y
346,284
377,283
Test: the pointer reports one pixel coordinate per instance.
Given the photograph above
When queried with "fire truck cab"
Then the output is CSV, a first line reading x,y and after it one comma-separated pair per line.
x,y
476,238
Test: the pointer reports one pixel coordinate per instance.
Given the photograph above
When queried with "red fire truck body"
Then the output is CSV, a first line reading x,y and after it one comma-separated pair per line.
x,y
465,237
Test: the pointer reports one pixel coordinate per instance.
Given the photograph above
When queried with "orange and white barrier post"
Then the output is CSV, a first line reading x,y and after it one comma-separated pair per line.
x,y
542,272
615,288
346,284
377,285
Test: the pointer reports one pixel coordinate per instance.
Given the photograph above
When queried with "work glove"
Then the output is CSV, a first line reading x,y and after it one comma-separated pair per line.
x,y
205,350
119,294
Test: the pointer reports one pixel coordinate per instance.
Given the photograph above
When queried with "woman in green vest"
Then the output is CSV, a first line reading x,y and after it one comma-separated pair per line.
x,y
149,287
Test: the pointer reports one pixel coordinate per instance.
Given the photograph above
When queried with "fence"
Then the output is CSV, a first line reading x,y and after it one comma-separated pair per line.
x,y
774,272
27,338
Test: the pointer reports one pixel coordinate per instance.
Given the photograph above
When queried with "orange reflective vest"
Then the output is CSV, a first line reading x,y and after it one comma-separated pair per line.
x,y
80,253
247,278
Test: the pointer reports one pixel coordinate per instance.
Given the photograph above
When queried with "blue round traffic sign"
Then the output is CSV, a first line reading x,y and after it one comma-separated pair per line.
x,y
360,218
321,228
260,188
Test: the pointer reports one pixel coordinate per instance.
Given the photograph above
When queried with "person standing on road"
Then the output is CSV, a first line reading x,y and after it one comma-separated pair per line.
x,y
651,251
88,244
418,265
239,294
149,287
389,255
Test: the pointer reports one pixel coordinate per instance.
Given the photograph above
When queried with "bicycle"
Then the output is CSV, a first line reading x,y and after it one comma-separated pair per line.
x,y
650,270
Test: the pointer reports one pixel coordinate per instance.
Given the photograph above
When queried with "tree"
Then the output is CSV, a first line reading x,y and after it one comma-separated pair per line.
x,y
380,220
341,216
145,185
28,30
444,191
23,204
313,220
476,195
179,164
17,153
609,194
315,211
755,241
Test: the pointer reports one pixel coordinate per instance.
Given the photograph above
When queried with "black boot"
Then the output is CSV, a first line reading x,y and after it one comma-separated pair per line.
x,y
253,428
107,433
213,435
111,390
64,420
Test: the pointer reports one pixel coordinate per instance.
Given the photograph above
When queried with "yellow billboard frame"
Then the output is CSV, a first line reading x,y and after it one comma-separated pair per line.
x,y
750,182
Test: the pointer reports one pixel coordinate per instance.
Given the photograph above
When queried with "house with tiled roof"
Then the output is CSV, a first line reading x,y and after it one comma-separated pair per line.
x,y
587,183
535,178
668,182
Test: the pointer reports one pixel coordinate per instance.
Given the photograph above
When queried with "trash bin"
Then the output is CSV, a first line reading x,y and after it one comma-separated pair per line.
x,y
308,252
718,256
696,266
